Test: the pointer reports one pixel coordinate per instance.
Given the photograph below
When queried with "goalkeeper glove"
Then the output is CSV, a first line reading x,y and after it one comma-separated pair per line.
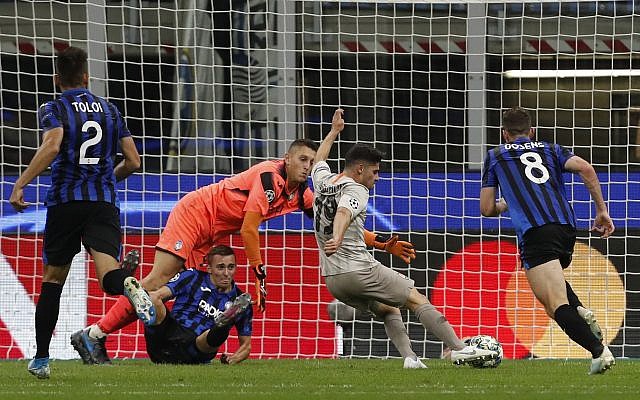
x,y
398,248
261,286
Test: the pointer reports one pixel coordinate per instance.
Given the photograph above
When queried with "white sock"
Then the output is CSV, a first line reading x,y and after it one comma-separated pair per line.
x,y
95,332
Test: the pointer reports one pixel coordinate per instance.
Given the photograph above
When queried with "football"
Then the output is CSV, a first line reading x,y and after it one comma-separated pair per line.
x,y
488,343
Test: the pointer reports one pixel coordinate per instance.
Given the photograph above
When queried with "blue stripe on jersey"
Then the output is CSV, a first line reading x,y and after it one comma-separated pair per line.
x,y
530,178
71,180
198,301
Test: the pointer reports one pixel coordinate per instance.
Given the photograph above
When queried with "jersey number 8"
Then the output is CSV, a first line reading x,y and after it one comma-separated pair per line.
x,y
534,161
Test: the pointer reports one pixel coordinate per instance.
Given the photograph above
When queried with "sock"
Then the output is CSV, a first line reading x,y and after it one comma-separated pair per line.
x,y
574,301
577,329
436,323
47,311
397,332
96,332
216,337
119,315
113,281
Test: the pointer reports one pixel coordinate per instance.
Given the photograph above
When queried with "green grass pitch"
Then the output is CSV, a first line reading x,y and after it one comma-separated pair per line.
x,y
321,379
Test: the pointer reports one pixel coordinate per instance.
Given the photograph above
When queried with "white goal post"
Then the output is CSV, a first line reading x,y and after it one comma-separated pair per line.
x,y
209,88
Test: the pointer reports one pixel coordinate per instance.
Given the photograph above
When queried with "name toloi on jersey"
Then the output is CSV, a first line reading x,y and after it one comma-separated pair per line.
x,y
87,107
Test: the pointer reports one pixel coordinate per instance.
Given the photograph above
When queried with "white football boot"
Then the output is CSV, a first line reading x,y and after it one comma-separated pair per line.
x,y
413,363
471,354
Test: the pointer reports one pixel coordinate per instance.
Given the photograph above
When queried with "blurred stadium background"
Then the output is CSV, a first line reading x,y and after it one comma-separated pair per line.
x,y
211,87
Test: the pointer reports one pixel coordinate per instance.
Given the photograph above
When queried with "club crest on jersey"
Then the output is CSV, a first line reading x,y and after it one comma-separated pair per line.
x,y
354,203
178,245
270,194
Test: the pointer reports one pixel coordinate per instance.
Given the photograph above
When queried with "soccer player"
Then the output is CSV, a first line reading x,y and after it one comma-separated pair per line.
x,y
351,273
529,174
203,218
207,305
81,135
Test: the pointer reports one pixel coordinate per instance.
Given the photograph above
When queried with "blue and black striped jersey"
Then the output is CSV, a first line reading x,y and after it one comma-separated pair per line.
x,y
529,174
198,301
83,169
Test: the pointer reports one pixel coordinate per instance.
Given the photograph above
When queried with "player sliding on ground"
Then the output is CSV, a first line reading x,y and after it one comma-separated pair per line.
x,y
351,273
529,174
207,305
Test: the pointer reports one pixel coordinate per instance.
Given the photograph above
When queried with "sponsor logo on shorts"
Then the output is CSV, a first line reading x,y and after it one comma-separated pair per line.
x,y
270,194
178,245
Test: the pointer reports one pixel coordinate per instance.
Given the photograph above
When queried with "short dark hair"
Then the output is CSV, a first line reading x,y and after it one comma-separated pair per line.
x,y
303,143
362,152
220,250
71,64
516,121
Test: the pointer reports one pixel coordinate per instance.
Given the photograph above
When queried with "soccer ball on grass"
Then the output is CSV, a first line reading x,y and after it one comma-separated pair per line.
x,y
486,342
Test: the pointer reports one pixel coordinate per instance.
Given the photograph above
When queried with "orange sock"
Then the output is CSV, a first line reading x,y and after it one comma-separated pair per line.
x,y
119,315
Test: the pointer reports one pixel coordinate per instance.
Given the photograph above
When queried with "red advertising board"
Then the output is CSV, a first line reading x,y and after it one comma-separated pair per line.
x,y
295,323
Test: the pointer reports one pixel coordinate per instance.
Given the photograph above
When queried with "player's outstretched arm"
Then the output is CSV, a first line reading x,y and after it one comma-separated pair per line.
x,y
131,162
251,239
47,152
602,223
337,125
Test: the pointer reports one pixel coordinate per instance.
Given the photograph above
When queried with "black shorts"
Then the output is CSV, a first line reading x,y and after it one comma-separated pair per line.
x,y
95,224
171,343
546,243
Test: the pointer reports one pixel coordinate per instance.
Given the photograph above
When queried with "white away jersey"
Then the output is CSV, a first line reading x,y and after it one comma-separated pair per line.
x,y
330,192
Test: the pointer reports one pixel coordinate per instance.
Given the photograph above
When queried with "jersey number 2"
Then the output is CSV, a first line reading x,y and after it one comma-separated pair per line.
x,y
84,160
534,161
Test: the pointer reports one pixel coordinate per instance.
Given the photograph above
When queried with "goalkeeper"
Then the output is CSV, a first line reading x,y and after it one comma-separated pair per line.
x,y
205,217
351,273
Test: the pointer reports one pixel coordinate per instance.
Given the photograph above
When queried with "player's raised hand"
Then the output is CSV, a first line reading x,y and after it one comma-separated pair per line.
x,y
337,123
401,249
603,224
17,199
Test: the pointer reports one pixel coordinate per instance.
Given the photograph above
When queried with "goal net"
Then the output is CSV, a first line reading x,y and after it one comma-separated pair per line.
x,y
209,88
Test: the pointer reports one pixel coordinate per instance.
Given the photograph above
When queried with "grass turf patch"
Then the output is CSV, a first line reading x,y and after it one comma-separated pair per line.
x,y
315,379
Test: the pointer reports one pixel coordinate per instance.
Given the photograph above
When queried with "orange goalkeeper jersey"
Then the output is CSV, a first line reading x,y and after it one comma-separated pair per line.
x,y
203,217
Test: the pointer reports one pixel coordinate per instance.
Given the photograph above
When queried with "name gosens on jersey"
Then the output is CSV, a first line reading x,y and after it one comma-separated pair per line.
x,y
529,174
